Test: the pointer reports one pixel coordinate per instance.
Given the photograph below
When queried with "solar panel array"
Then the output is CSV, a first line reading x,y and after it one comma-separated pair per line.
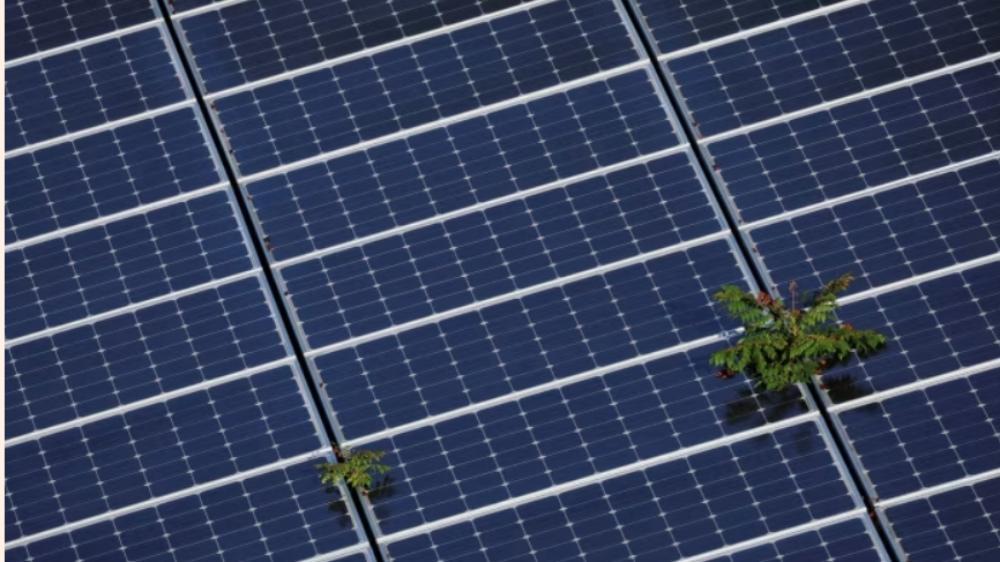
x,y
483,237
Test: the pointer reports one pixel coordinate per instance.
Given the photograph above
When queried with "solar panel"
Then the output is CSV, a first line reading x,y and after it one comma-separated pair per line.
x,y
528,341
891,235
124,262
934,327
829,57
253,40
137,355
672,510
31,26
959,524
505,248
558,436
484,237
156,450
446,169
108,172
928,437
861,144
276,515
84,88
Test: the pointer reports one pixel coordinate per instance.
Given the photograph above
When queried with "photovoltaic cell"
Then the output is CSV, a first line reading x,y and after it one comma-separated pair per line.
x,y
469,162
829,57
932,328
666,512
138,355
502,249
124,262
928,437
961,524
861,144
37,25
99,83
156,450
849,541
675,24
274,517
890,236
421,82
558,436
528,341
259,38
106,173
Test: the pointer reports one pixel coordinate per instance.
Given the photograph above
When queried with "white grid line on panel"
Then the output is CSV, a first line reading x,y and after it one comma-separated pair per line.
x,y
215,6
85,42
874,292
119,410
940,488
848,99
520,100
807,418
289,74
721,235
778,24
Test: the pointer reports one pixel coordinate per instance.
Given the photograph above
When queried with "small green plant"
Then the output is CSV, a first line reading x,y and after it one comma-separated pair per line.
x,y
357,468
783,345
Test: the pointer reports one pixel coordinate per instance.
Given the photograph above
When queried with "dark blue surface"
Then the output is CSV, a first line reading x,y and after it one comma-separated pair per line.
x,y
259,38
849,541
666,512
105,173
675,24
862,144
75,90
37,25
529,341
890,236
124,262
279,516
422,82
156,450
513,246
470,162
932,328
558,436
829,57
928,437
137,355
961,524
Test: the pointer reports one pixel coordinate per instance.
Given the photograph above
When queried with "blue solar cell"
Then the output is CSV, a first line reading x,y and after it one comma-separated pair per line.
x,y
157,450
961,524
525,342
97,84
928,437
509,247
829,57
861,144
260,38
279,516
933,328
37,25
562,435
137,355
470,162
675,24
106,173
123,262
850,541
421,82
890,236
669,511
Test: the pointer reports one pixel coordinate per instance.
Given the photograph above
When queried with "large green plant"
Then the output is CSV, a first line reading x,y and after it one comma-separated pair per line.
x,y
357,468
783,345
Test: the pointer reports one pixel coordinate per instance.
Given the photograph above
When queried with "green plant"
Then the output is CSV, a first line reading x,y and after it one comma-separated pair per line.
x,y
787,345
357,468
